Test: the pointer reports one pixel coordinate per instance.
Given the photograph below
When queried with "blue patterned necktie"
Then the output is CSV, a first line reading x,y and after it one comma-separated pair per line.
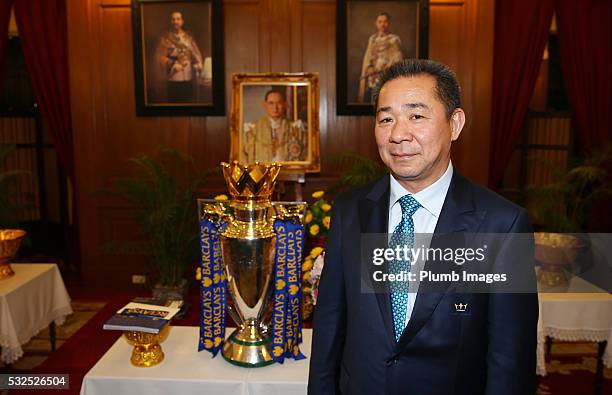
x,y
402,235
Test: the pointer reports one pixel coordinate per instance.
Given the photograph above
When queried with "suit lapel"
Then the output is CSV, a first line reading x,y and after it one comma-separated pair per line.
x,y
374,218
458,215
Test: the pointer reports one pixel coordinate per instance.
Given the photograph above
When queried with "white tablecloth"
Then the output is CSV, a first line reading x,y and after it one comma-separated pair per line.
x,y
29,301
186,371
583,313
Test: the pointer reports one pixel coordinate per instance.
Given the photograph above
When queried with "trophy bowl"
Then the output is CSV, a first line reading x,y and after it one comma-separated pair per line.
x,y
10,240
147,350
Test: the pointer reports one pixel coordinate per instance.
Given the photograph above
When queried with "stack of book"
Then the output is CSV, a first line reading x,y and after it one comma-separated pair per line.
x,y
141,317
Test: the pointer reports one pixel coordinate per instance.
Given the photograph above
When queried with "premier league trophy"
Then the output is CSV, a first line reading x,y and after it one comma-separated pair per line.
x,y
251,247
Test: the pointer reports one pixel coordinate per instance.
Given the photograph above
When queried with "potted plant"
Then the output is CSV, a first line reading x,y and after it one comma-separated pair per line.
x,y
563,205
162,198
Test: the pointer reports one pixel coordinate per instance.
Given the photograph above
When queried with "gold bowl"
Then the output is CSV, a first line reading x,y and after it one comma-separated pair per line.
x,y
10,240
555,252
147,350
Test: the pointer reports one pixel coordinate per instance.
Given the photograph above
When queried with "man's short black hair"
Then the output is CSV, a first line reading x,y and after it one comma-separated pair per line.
x,y
447,87
384,14
268,93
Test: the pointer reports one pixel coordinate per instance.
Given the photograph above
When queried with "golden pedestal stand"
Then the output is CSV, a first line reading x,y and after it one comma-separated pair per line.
x,y
147,350
556,252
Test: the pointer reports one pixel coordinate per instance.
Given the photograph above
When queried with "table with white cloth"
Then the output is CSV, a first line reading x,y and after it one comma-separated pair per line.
x,y
580,312
186,371
31,300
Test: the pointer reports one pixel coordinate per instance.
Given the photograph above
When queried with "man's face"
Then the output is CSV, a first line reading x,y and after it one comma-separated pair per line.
x,y
382,23
275,105
176,20
412,131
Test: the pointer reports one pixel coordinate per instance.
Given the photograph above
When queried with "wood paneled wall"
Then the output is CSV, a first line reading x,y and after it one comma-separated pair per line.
x,y
260,36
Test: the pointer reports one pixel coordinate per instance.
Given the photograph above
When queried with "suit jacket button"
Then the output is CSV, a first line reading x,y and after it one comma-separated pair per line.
x,y
391,361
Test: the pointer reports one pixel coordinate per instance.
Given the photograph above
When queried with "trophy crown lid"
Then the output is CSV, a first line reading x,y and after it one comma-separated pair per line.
x,y
253,181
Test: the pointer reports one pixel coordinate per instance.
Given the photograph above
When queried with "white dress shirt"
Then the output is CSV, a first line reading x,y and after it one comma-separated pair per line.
x,y
425,218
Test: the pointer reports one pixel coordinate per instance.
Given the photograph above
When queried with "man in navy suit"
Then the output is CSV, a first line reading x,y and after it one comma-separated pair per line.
x,y
421,343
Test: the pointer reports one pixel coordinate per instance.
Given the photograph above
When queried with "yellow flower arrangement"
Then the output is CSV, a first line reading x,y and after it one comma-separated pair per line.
x,y
318,216
311,273
221,197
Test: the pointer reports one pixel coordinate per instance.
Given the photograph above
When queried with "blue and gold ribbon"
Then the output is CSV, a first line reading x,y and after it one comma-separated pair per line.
x,y
286,316
279,312
213,288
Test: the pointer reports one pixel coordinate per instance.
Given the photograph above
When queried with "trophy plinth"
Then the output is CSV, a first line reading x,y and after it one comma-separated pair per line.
x,y
248,346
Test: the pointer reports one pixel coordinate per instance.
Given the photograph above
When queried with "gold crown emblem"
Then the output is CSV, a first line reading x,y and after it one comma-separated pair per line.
x,y
461,307
250,182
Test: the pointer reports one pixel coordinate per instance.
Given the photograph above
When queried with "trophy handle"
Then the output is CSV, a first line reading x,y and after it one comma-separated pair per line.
x,y
286,210
235,316
266,320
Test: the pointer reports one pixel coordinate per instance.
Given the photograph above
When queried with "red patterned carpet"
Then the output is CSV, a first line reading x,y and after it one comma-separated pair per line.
x,y
571,371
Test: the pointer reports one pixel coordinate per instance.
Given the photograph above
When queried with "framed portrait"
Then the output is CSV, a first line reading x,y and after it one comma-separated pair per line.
x,y
275,118
178,57
372,36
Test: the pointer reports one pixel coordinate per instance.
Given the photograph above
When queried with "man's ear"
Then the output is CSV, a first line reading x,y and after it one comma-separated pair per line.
x,y
457,121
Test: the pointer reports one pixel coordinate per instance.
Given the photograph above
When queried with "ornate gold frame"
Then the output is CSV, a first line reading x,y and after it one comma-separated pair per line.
x,y
311,80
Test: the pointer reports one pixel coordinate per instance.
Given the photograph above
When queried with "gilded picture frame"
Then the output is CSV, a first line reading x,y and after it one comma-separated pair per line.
x,y
371,35
275,118
178,57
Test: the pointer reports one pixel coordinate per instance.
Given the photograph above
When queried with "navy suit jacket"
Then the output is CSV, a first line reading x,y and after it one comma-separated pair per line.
x,y
490,351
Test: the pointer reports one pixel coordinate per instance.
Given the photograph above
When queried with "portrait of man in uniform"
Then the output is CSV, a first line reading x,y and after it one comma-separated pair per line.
x,y
181,62
383,51
373,36
176,57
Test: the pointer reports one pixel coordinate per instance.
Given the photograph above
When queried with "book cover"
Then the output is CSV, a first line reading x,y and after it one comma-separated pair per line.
x,y
141,317
120,322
